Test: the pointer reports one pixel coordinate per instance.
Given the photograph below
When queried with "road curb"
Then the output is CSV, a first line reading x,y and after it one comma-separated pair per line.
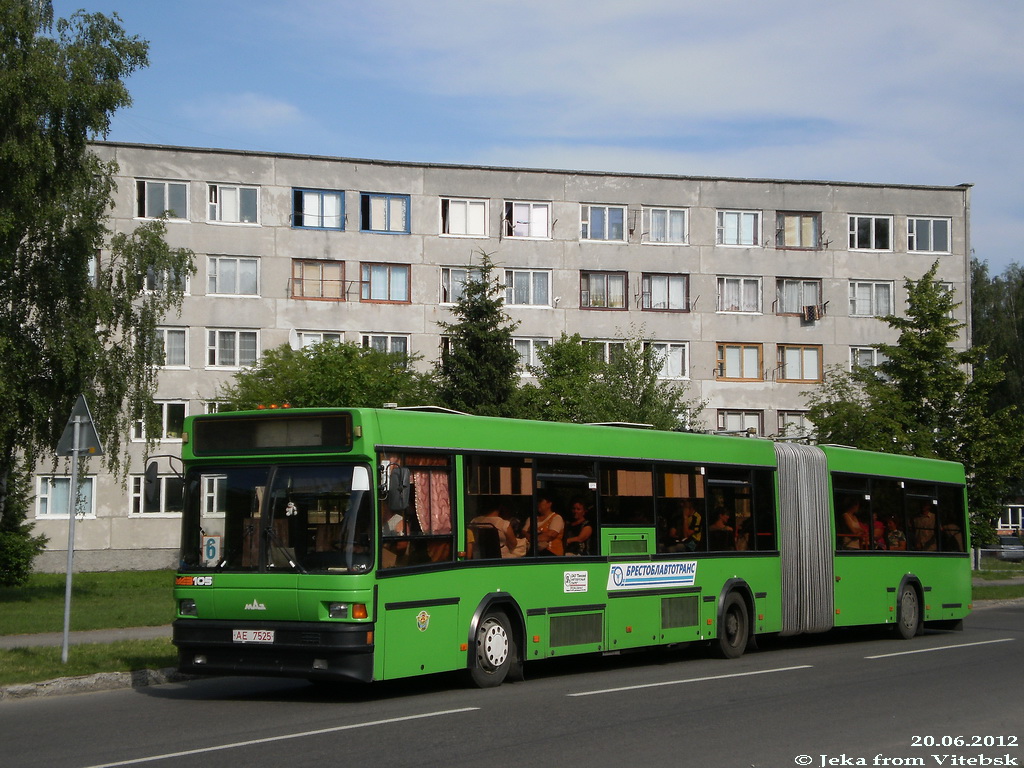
x,y
101,681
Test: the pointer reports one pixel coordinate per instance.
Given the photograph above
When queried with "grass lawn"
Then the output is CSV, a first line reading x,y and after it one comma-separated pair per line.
x,y
98,601
34,665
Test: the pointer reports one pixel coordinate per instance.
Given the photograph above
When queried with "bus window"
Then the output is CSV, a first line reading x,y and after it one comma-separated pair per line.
x,y
682,513
764,510
499,497
627,494
924,523
951,519
422,531
886,508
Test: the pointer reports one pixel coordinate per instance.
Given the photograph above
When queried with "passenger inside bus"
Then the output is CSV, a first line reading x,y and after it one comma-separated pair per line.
x,y
579,530
854,531
550,527
895,539
721,535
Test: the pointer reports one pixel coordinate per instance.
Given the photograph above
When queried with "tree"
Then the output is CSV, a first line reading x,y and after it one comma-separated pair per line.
x,y
575,385
70,322
478,373
327,374
997,325
928,399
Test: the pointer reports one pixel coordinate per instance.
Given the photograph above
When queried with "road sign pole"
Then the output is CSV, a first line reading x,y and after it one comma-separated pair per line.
x,y
72,503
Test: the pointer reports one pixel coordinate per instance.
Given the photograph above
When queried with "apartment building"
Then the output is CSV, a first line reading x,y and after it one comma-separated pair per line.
x,y
750,288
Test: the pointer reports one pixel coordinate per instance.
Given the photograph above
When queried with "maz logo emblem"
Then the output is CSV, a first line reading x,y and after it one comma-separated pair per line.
x,y
255,606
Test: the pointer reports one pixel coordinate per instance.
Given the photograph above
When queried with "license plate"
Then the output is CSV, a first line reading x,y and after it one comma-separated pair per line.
x,y
252,635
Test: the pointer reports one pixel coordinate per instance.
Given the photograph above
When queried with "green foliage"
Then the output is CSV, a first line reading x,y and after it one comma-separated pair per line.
x,y
997,326
18,547
70,323
478,372
929,399
328,374
36,665
575,385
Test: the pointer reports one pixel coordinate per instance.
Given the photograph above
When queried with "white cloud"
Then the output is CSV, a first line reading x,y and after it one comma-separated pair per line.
x,y
251,113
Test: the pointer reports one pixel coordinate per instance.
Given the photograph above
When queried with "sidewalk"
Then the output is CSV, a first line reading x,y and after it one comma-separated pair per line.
x,y
81,638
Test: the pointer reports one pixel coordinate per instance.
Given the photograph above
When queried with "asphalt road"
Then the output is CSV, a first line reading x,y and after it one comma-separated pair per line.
x,y
942,699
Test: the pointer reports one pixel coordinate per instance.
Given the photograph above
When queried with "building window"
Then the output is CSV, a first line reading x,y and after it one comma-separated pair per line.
x,y
172,421
603,290
799,362
453,282
793,294
312,338
232,276
527,287
395,345
527,220
463,218
865,357
318,280
231,349
233,204
1011,519
318,209
384,213
795,424
603,222
156,198
605,351
738,227
665,226
157,281
735,422
929,235
174,342
740,362
168,500
739,294
52,496
529,353
674,358
870,299
385,282
669,293
870,233
798,230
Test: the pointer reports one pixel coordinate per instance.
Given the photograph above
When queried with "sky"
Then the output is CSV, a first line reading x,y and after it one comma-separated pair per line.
x,y
888,91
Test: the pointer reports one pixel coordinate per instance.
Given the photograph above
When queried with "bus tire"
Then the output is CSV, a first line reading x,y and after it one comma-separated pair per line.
x,y
734,627
494,651
908,613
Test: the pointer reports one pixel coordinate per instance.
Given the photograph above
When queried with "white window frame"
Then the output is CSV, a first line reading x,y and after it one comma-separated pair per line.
x,y
796,361
740,361
874,301
371,273
217,283
1011,518
324,209
528,350
453,283
214,349
145,188
605,349
463,217
605,232
306,339
808,290
743,288
163,334
795,424
386,342
315,288
675,355
512,276
587,293
676,226
137,497
859,352
139,428
674,302
736,420
527,220
921,232
733,227
395,207
156,281
857,238
45,497
232,210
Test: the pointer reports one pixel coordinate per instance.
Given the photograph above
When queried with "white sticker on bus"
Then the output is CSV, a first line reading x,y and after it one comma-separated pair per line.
x,y
650,575
575,581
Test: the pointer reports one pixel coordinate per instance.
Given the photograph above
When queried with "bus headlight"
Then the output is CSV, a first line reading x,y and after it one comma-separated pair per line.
x,y
337,610
187,607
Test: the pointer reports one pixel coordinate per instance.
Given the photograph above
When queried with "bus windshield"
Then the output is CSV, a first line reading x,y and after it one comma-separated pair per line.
x,y
279,518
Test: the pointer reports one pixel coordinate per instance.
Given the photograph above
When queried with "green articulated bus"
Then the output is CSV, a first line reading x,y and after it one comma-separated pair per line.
x,y
372,544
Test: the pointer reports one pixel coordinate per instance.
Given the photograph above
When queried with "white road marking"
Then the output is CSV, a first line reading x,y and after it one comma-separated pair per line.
x,y
690,680
940,648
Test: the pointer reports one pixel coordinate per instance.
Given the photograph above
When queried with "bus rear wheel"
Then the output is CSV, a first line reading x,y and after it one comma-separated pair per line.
x,y
494,652
908,613
734,628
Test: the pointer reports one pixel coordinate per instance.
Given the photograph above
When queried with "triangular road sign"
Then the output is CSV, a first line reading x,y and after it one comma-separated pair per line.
x,y
88,439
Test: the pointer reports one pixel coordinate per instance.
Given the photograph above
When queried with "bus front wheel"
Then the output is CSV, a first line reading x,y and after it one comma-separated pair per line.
x,y
908,613
734,628
495,651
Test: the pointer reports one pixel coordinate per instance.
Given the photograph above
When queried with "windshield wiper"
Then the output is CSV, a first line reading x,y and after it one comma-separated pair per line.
x,y
275,541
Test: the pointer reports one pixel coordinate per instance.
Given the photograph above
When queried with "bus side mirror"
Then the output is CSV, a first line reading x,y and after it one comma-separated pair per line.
x,y
398,488
151,486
